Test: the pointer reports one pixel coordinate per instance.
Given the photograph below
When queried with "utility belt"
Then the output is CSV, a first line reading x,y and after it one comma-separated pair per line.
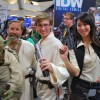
x,y
83,87
28,76
31,74
46,82
89,85
32,79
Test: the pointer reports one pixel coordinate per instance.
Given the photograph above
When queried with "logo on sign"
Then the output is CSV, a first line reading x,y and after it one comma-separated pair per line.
x,y
71,5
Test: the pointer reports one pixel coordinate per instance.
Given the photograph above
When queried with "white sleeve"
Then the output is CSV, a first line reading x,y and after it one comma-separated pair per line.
x,y
60,71
73,59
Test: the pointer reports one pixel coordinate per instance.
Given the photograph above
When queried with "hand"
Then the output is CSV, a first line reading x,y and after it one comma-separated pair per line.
x,y
8,94
63,52
45,64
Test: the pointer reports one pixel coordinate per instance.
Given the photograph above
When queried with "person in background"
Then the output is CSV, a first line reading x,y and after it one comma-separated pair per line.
x,y
87,54
26,55
67,30
26,36
4,31
51,61
21,19
92,13
34,34
68,20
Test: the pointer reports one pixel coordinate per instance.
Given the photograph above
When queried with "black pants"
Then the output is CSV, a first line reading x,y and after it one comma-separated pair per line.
x,y
80,93
81,90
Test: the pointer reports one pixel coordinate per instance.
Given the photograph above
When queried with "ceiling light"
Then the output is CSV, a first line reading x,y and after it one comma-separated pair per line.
x,y
11,1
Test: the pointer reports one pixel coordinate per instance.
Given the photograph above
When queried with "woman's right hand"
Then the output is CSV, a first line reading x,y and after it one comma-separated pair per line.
x,y
63,52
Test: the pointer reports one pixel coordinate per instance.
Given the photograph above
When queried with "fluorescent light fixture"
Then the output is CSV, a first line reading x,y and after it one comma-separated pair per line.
x,y
11,1
35,3
13,15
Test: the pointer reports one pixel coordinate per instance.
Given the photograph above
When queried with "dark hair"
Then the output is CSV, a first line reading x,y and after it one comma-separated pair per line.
x,y
20,18
16,21
86,18
6,24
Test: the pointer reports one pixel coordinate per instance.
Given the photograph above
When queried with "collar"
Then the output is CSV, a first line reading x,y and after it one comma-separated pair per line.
x,y
81,44
47,38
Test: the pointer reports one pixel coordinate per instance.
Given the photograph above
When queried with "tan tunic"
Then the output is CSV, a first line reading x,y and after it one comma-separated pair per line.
x,y
11,73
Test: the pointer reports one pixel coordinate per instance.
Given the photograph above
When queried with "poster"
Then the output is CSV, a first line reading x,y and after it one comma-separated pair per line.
x,y
3,14
74,6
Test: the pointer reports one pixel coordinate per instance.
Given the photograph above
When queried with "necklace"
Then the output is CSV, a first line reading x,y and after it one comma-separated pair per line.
x,y
16,46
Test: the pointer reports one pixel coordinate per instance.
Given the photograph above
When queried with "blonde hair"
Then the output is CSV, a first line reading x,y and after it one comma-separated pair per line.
x,y
43,16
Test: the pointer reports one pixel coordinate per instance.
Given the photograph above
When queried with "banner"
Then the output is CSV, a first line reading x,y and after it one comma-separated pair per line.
x,y
3,14
74,6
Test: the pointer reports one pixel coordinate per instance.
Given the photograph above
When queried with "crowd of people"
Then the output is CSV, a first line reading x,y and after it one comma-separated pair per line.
x,y
71,59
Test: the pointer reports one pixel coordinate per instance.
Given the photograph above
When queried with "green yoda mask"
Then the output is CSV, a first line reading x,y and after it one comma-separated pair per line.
x,y
3,43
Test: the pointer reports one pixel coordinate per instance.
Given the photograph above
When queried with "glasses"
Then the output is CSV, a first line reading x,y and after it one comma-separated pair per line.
x,y
66,19
44,25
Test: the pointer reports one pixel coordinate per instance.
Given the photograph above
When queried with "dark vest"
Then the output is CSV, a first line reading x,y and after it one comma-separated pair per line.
x,y
79,52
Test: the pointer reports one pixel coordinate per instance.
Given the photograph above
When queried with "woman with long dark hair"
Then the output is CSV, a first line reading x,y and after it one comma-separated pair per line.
x,y
87,54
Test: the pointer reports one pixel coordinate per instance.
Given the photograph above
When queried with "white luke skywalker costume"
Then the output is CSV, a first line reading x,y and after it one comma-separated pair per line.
x,y
50,50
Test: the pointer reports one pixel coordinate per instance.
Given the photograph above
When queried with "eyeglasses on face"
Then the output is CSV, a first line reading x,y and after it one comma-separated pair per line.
x,y
43,25
66,19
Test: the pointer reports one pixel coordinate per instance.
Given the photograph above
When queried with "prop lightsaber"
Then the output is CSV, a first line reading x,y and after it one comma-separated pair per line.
x,y
39,55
